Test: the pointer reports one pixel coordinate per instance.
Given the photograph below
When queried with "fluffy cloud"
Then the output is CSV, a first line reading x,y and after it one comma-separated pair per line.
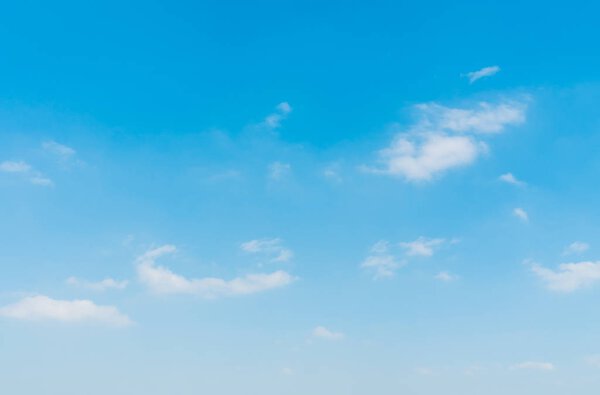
x,y
324,333
381,262
509,178
521,214
103,285
481,73
533,365
273,248
421,247
576,247
160,279
43,308
445,138
569,277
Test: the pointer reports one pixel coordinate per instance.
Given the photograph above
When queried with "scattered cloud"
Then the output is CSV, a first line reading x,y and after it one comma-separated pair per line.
x,y
103,285
381,261
521,214
532,365
324,333
26,170
273,248
273,120
482,73
332,172
509,178
60,150
570,276
161,280
446,277
43,308
279,171
576,247
14,167
445,138
422,246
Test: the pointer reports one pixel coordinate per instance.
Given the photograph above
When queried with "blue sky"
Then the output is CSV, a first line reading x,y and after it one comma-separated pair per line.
x,y
285,197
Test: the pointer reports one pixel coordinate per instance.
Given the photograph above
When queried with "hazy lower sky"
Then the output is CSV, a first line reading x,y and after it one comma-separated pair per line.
x,y
297,197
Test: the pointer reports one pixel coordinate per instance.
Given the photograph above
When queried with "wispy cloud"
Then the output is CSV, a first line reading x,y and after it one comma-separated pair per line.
x,y
14,167
273,248
102,285
60,150
43,308
509,178
324,333
278,171
273,120
381,261
521,214
445,138
570,276
533,365
446,277
576,247
161,280
421,246
27,171
482,73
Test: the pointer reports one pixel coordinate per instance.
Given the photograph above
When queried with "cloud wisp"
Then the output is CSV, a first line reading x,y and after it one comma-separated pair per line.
x,y
272,248
509,178
43,308
421,246
320,332
533,365
161,280
484,72
102,285
25,170
381,262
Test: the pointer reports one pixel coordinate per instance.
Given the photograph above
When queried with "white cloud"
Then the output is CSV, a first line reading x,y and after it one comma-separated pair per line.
x,y
278,170
533,365
271,247
420,158
381,262
59,150
484,72
162,280
43,308
42,181
107,283
446,277
422,246
570,276
484,118
509,178
273,120
521,214
14,167
324,333
576,247
25,169
437,142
